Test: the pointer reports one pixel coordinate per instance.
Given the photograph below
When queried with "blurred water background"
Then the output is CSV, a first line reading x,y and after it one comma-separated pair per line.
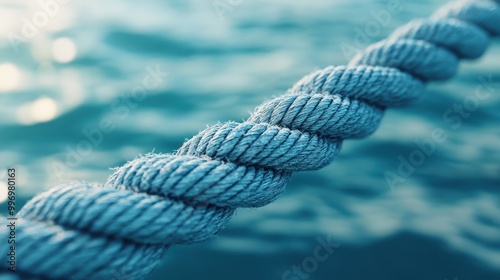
x,y
81,63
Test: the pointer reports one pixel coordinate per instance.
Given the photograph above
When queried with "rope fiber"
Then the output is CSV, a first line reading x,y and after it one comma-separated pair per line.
x,y
84,231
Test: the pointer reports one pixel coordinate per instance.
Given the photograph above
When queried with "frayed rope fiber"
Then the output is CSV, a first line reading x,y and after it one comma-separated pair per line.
x,y
80,231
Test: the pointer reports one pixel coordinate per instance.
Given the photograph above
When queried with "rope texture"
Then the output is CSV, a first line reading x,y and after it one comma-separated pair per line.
x,y
82,231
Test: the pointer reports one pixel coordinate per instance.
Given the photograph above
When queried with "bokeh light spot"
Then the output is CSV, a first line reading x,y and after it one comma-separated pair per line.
x,y
10,77
64,50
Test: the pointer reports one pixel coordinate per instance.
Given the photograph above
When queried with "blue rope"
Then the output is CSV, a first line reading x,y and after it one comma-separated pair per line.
x,y
81,231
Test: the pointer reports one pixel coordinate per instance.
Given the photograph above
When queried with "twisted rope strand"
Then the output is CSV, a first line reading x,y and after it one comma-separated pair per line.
x,y
80,231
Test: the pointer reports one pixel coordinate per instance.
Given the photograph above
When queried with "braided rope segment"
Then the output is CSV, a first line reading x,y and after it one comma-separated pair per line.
x,y
82,231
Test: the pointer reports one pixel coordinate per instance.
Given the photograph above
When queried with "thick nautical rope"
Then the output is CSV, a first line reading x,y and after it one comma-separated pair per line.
x,y
81,231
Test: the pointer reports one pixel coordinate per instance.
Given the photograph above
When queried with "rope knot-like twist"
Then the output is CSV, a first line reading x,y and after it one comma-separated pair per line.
x,y
157,200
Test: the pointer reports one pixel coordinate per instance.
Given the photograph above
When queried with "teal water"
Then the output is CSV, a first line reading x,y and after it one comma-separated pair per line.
x,y
76,75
